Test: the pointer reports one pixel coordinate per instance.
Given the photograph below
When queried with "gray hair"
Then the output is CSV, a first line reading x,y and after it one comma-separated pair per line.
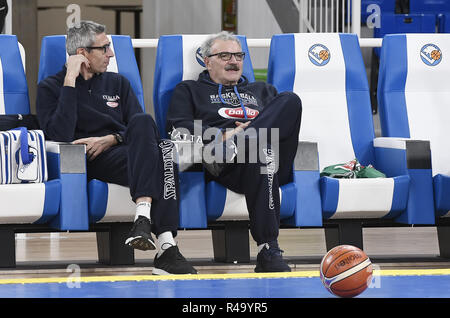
x,y
205,48
82,35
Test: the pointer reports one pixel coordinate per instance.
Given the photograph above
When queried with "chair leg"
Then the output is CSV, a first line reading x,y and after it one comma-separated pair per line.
x,y
111,245
7,248
443,232
231,243
345,233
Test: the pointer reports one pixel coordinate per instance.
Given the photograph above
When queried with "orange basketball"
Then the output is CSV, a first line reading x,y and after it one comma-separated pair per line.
x,y
346,271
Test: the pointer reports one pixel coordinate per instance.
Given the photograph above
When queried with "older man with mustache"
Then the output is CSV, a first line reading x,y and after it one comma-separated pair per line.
x,y
226,102
84,104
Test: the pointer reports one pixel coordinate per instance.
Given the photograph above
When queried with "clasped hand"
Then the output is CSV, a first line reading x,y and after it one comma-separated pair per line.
x,y
96,145
231,132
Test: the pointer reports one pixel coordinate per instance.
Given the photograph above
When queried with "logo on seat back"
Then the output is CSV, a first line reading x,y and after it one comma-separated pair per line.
x,y
319,54
431,54
199,58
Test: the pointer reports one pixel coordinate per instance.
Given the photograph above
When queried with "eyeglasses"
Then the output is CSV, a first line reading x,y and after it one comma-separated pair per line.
x,y
104,48
226,56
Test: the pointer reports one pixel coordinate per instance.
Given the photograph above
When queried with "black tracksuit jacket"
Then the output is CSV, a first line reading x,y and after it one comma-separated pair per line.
x,y
217,105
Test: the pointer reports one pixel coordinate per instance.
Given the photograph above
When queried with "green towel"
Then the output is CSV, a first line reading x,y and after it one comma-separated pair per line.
x,y
350,170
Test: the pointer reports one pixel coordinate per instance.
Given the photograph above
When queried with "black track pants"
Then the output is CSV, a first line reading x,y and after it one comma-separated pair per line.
x,y
261,189
144,164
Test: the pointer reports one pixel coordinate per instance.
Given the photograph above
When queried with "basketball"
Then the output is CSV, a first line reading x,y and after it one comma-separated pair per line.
x,y
346,271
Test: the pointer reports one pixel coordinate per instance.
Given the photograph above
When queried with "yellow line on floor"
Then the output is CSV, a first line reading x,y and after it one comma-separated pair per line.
x,y
412,272
87,279
296,274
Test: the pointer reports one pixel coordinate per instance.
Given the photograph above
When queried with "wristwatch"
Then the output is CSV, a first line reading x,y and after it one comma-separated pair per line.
x,y
119,138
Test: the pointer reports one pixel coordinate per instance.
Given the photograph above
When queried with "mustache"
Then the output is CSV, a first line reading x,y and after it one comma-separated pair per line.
x,y
232,67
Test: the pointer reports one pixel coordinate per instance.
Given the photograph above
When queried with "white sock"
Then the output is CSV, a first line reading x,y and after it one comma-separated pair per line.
x,y
164,241
261,246
143,209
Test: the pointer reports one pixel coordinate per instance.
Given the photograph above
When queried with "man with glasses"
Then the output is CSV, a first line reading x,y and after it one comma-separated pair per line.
x,y
237,112
85,104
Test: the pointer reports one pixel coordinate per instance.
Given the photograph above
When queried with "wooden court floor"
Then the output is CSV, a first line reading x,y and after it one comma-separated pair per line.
x,y
303,248
46,264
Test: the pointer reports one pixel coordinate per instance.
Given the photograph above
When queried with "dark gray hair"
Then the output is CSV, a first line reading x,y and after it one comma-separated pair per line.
x,y
205,48
82,35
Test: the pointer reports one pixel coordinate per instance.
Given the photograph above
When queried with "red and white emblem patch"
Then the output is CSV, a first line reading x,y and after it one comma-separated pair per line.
x,y
238,113
112,101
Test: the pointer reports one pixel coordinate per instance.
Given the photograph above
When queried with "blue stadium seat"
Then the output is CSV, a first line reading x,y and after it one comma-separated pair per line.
x,y
414,101
404,23
392,24
444,23
23,206
109,205
107,202
176,61
328,73
429,6
54,56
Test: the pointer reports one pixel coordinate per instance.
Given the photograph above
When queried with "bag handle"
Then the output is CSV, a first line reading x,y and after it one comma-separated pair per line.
x,y
26,158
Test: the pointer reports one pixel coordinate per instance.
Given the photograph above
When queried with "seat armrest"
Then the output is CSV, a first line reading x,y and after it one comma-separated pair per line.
x,y
307,156
192,188
65,158
404,156
67,162
394,155
306,176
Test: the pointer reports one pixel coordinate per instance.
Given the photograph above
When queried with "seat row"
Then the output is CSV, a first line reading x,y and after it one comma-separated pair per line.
x,y
399,9
327,72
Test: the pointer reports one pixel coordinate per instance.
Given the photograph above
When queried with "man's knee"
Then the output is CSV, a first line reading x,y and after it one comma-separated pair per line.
x,y
142,124
142,119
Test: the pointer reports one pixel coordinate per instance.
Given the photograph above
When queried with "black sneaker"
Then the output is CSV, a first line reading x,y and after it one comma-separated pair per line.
x,y
172,262
140,235
269,259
